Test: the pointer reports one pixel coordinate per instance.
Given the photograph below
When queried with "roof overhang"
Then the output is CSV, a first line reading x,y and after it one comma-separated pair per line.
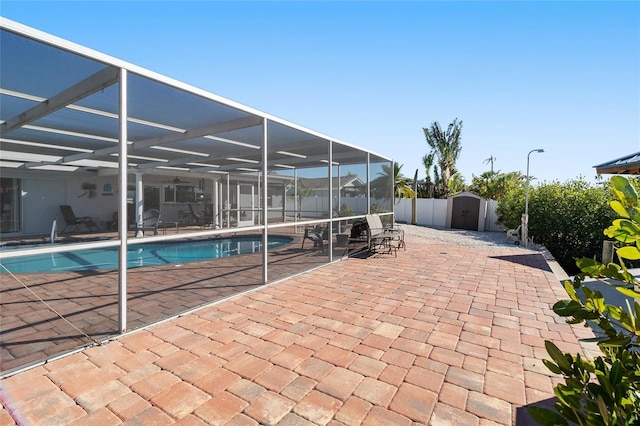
x,y
627,165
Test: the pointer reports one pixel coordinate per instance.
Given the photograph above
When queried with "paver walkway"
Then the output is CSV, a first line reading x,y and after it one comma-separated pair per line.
x,y
443,334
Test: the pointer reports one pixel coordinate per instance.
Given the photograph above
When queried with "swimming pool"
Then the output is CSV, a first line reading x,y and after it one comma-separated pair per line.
x,y
142,254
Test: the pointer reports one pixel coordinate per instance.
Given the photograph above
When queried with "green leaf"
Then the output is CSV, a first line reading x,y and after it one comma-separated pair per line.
x,y
568,287
593,300
557,356
551,366
616,373
628,292
628,226
566,308
615,312
619,209
617,341
588,266
624,191
623,230
594,339
617,233
546,417
629,252
604,410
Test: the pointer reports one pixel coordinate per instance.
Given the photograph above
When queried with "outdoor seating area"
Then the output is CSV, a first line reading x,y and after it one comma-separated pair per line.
x,y
383,239
370,235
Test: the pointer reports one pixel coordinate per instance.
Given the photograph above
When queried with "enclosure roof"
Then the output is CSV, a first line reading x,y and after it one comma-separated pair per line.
x,y
627,165
337,182
59,110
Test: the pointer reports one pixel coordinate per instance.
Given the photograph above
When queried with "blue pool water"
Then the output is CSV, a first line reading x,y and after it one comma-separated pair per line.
x,y
141,255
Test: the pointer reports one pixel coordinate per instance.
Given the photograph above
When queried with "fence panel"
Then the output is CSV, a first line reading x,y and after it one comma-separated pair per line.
x,y
433,212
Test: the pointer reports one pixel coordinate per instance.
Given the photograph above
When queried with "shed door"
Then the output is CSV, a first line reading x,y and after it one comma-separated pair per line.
x,y
465,213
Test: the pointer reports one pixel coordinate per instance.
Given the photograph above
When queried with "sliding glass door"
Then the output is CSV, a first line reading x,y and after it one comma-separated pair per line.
x,y
10,205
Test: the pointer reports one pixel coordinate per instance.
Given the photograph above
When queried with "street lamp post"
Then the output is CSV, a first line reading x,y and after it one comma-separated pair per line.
x,y
525,217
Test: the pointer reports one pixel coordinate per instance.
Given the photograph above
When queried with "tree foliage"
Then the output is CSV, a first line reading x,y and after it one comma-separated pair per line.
x,y
567,218
401,184
445,150
605,390
456,184
493,185
392,176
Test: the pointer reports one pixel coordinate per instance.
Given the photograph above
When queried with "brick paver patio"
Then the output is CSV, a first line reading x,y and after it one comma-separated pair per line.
x,y
31,333
443,334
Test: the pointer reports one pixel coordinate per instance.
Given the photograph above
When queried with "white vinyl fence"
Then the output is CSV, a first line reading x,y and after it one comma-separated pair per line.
x,y
433,212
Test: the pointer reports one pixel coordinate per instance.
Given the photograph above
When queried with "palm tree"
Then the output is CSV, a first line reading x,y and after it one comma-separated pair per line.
x,y
445,150
401,184
303,192
456,184
491,159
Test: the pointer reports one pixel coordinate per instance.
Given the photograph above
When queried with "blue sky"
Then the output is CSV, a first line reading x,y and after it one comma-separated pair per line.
x,y
562,76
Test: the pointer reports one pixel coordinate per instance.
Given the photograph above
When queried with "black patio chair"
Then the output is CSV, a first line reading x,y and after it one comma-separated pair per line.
x,y
72,220
201,219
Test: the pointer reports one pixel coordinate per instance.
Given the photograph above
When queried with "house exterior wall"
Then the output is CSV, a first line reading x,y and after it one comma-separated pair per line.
x,y
42,197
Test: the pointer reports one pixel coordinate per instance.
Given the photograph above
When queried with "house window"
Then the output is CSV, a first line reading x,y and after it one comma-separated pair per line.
x,y
151,197
10,204
182,194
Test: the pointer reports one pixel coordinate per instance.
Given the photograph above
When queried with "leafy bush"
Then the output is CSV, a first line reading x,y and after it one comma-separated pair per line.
x,y
605,391
567,218
376,208
493,185
345,210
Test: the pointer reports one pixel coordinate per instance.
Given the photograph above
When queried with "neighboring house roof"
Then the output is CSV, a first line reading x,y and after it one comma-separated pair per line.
x,y
322,183
627,165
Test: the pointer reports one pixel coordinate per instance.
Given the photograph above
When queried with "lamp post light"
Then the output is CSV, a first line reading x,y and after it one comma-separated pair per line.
x,y
525,217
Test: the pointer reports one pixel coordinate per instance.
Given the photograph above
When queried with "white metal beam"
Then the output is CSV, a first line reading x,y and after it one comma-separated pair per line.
x,y
226,126
176,162
122,201
86,87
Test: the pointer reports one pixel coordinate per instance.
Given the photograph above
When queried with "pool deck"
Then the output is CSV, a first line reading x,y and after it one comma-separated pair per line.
x,y
444,334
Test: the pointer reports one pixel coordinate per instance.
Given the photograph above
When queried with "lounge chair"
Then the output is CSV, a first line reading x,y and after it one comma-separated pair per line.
x,y
72,220
200,219
150,222
384,235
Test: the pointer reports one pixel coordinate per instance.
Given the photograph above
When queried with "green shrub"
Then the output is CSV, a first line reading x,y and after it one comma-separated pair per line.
x,y
567,218
376,208
605,391
345,210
